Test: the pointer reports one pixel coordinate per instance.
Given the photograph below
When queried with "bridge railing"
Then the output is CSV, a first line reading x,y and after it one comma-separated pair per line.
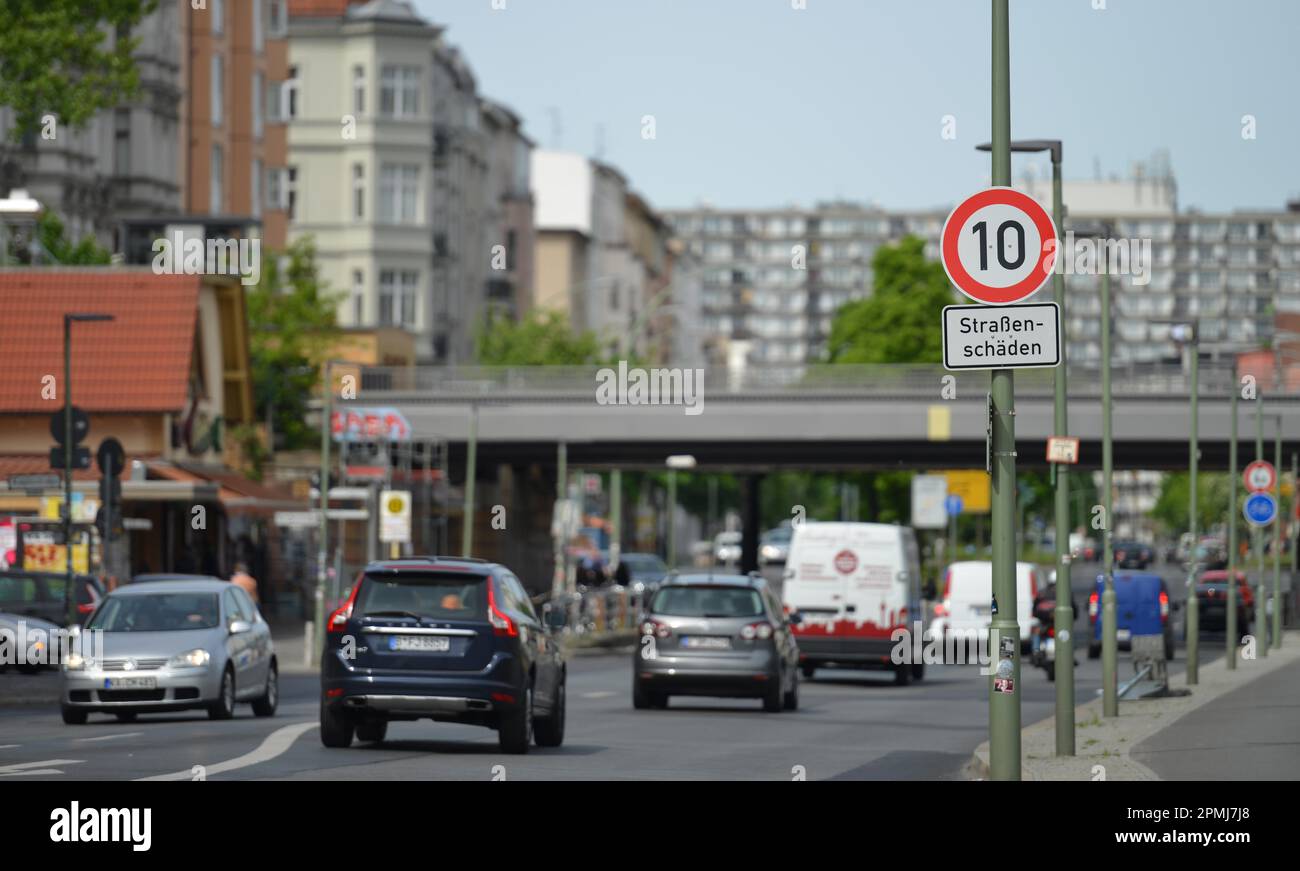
x,y
867,380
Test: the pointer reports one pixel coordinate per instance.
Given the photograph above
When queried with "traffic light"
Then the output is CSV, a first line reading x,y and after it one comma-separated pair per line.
x,y
58,429
111,458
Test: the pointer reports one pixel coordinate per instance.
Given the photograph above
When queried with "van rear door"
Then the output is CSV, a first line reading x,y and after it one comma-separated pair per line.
x,y
812,586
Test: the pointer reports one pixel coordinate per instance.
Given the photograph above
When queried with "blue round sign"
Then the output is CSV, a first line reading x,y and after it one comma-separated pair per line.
x,y
952,505
1260,509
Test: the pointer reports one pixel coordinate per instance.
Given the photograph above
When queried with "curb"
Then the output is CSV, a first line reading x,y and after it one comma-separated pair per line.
x,y
1103,745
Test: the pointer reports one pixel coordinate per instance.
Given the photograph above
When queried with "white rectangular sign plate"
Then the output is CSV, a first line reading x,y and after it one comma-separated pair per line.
x,y
1002,337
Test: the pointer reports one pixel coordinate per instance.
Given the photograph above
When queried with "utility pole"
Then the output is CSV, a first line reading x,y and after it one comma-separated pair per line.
x,y
322,533
471,472
1261,614
1277,536
558,523
1109,645
1004,707
1193,449
1231,617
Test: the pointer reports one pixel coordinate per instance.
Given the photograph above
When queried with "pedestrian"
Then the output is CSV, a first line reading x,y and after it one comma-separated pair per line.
x,y
246,582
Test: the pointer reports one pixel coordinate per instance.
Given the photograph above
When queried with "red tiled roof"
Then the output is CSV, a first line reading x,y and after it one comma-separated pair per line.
x,y
138,362
320,8
28,464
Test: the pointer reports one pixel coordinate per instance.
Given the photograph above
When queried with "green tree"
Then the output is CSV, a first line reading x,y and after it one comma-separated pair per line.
x,y
1211,501
50,233
899,322
292,328
59,57
542,338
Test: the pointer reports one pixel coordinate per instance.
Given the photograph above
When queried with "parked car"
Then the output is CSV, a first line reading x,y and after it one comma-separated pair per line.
x,y
726,548
966,609
774,546
1141,608
40,594
31,643
446,639
1133,555
172,645
1212,602
716,635
854,584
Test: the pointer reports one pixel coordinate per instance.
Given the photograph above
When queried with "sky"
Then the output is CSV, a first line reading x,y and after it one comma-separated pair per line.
x,y
758,104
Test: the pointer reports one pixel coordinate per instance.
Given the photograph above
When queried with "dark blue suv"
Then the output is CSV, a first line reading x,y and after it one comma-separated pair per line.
x,y
446,639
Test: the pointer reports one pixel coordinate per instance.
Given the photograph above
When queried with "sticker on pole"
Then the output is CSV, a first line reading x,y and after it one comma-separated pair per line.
x,y
1260,509
998,246
1007,337
1259,476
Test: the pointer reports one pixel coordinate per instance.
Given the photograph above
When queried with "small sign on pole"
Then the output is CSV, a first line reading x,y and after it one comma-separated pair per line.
x,y
1006,337
928,495
394,516
1062,449
1260,476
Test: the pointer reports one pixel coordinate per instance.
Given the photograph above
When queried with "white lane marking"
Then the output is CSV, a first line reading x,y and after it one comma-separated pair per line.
x,y
275,744
9,746
108,737
26,768
599,694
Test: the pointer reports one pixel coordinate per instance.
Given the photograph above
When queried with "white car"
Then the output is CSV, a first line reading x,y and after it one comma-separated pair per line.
x,y
726,548
966,609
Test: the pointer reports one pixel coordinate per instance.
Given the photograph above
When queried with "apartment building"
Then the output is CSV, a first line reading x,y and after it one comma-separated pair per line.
x,y
774,278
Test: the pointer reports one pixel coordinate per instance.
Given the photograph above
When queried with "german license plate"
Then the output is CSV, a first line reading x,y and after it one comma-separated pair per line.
x,y
707,642
426,643
130,683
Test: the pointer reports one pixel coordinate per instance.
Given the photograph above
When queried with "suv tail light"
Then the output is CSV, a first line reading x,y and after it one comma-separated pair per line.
x,y
655,628
342,615
1092,607
501,624
762,630
1164,606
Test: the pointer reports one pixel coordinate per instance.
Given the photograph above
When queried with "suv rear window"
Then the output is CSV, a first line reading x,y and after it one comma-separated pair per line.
x,y
440,596
711,601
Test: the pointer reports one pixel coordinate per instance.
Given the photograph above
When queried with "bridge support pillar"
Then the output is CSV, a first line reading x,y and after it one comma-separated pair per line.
x,y
749,505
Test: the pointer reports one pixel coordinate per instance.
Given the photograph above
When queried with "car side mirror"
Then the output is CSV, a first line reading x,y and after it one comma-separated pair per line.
x,y
239,627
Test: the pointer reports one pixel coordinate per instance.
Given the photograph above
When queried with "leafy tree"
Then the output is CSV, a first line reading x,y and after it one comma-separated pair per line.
x,y
899,322
542,338
50,234
291,319
1211,501
56,58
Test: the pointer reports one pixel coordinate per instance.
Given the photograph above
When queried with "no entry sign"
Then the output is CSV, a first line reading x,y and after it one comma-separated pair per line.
x,y
1259,476
998,246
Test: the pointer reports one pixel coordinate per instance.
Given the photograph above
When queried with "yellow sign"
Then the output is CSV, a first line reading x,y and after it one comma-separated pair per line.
x,y
54,558
939,423
973,486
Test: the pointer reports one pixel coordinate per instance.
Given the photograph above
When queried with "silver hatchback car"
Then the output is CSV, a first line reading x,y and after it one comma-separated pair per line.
x,y
169,645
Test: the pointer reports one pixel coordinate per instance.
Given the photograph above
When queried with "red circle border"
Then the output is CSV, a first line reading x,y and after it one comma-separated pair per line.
x,y
1024,288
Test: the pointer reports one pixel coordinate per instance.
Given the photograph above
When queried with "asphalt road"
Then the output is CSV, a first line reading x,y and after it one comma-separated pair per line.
x,y
850,725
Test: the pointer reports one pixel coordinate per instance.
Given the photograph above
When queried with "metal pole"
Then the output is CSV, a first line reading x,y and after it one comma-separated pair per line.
x,y
1109,646
1004,707
1063,616
471,471
1193,449
69,608
1277,536
558,579
1261,615
1232,638
615,518
327,415
672,516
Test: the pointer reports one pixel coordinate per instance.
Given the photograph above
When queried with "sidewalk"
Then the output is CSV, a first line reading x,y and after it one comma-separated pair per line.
x,y
1163,739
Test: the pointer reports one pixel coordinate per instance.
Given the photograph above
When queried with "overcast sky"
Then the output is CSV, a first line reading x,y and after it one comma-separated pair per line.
x,y
759,104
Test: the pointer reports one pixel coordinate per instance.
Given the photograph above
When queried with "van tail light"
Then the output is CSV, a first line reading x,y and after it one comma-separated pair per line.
x,y
1033,584
501,624
1092,607
1051,631
339,619
1164,606
655,628
947,585
941,609
762,630
86,608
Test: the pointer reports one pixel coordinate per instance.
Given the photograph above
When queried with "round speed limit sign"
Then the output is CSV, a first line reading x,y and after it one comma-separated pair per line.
x,y
999,246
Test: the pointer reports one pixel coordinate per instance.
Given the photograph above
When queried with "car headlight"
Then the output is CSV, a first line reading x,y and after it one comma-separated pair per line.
x,y
196,658
76,662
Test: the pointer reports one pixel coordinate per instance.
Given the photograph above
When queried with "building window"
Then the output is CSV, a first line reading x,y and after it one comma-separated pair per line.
x,y
274,190
255,188
398,189
216,180
359,91
122,142
259,42
358,297
289,95
273,105
291,191
358,191
218,89
279,20
259,116
399,92
218,16
397,289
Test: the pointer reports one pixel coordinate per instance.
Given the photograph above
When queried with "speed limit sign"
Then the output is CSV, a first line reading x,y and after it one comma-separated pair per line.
x,y
999,246
1259,476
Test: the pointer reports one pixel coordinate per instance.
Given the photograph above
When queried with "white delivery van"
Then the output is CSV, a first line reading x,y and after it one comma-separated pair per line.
x,y
852,585
966,610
